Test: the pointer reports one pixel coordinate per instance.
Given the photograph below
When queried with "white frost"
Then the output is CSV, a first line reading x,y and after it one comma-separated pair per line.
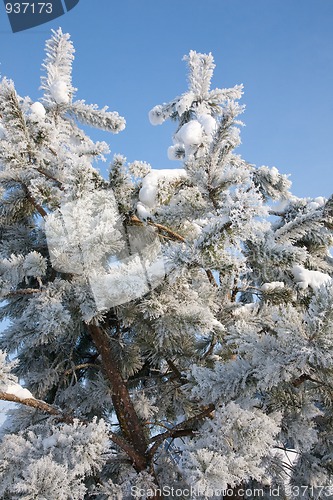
x,y
148,191
274,174
208,123
156,116
19,391
305,278
317,203
191,133
59,92
176,152
38,109
143,212
2,132
185,102
245,309
267,287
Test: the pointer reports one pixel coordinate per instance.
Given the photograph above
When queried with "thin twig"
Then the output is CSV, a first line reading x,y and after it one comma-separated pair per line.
x,y
175,236
49,176
80,367
303,378
23,291
33,202
175,370
184,428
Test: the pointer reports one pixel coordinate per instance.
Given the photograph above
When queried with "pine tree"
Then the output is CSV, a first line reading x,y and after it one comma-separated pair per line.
x,y
168,329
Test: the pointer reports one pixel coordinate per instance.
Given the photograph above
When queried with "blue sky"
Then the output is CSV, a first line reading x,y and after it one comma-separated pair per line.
x,y
129,56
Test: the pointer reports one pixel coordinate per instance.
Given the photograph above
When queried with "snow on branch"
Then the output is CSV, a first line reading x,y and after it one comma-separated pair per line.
x,y
11,113
202,114
99,118
299,226
199,101
59,91
201,68
308,278
18,396
14,393
57,83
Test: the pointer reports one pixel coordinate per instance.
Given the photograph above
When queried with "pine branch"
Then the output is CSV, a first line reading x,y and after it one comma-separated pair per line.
x,y
175,237
63,417
58,66
303,378
98,118
175,370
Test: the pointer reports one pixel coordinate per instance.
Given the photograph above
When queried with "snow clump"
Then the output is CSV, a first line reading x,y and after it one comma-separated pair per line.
x,y
156,116
38,109
59,92
148,191
305,278
317,203
268,287
18,391
190,134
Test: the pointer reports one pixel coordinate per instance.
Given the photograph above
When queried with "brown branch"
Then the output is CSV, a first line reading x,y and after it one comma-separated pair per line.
x,y
37,404
175,370
53,151
50,177
156,424
172,234
63,417
182,429
211,277
303,378
234,291
128,419
23,291
33,202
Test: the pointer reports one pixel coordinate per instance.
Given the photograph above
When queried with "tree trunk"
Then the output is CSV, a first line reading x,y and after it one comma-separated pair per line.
x,y
129,421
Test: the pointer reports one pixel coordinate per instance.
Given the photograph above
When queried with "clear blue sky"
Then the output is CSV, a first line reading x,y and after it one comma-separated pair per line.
x,y
129,56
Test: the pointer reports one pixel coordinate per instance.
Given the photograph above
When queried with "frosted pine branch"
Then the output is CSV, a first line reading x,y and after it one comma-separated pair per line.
x,y
57,84
99,118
